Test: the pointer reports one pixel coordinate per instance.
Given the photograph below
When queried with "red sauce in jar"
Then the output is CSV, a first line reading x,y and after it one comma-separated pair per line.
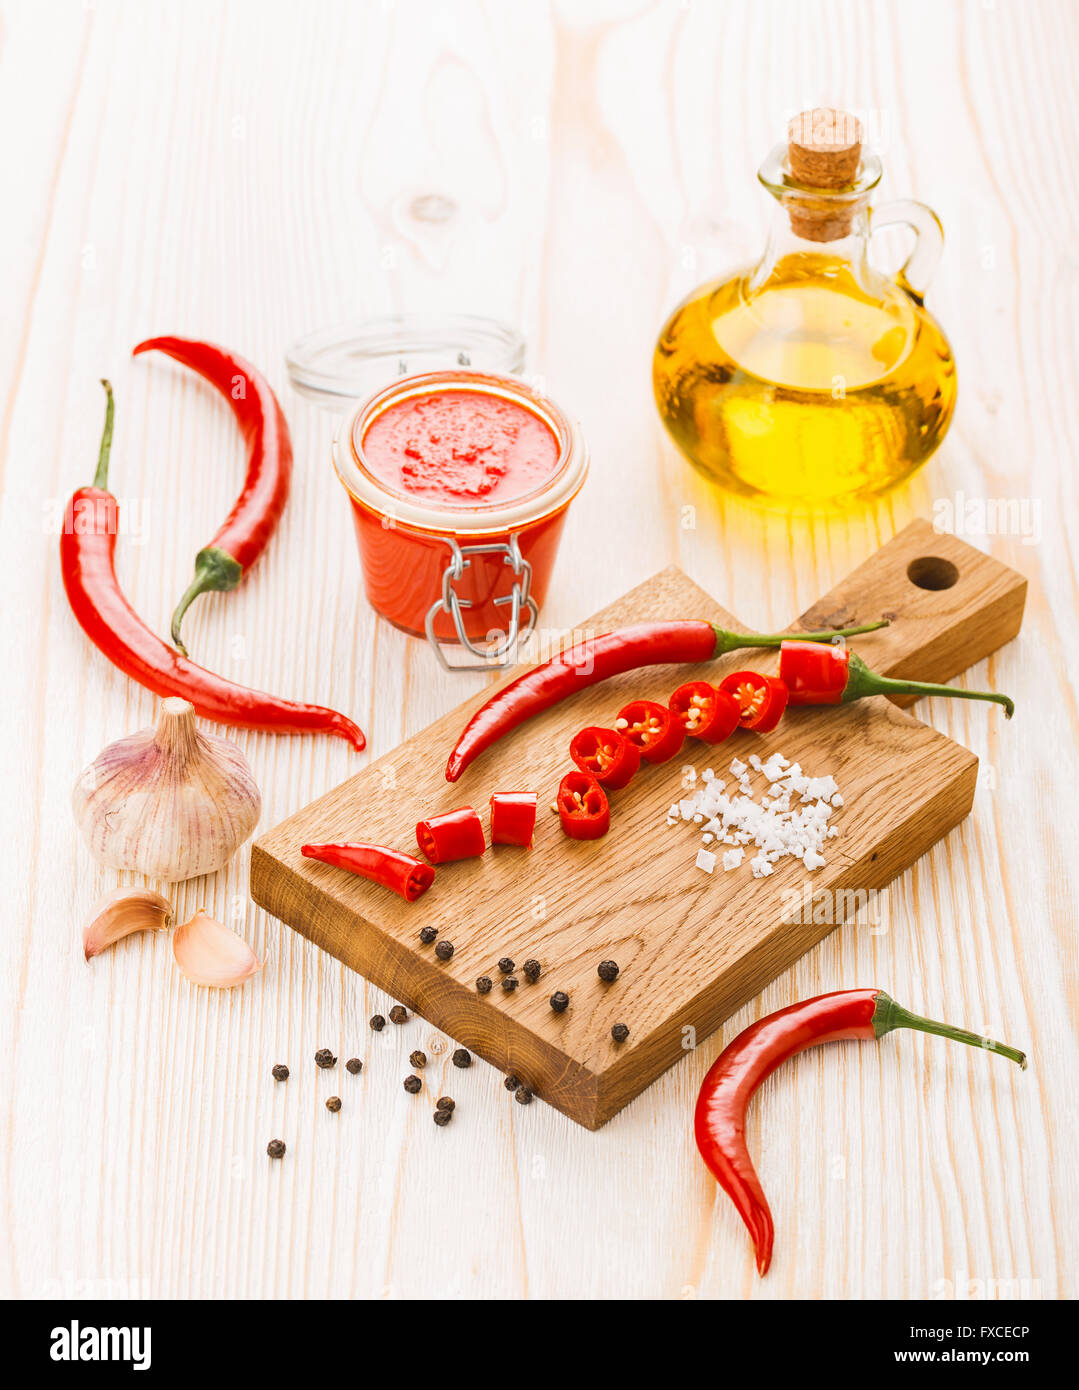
x,y
460,448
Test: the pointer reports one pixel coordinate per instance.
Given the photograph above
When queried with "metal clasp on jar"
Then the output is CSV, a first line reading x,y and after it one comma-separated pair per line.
x,y
518,599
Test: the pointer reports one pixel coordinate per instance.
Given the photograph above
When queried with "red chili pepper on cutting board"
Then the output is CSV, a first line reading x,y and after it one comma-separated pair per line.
x,y
583,808
608,757
761,700
401,873
720,1118
87,548
704,712
238,543
513,818
598,658
452,835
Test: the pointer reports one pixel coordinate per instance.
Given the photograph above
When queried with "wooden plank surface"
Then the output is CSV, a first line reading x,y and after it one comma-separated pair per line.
x,y
246,172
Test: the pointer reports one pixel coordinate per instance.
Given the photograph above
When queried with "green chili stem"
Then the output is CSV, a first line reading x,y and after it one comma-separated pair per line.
x,y
727,641
862,681
101,477
214,569
888,1015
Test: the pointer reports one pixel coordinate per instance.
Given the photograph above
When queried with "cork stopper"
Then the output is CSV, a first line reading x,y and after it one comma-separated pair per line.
x,y
824,149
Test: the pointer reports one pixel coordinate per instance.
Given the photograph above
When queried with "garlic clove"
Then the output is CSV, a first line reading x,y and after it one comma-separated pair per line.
x,y
121,912
210,954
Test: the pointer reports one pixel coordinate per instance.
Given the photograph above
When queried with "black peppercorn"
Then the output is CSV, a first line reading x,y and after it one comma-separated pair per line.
x,y
510,983
325,1058
398,1014
506,965
444,950
483,984
445,1103
413,1084
334,1104
418,1058
522,1095
280,1072
442,1117
511,1082
560,1001
378,1022
607,970
531,969
428,934
620,1032
276,1148
462,1057
354,1065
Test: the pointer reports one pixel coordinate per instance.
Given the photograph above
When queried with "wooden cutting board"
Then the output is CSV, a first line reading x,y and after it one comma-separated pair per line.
x,y
692,948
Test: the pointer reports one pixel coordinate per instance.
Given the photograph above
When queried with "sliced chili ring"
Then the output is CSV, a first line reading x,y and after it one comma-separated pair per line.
x,y
761,699
513,818
705,712
652,728
605,755
453,835
582,805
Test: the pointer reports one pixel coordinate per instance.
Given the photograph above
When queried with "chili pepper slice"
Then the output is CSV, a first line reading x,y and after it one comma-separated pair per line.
x,y
452,835
606,755
720,1117
598,658
834,675
705,712
392,868
653,728
761,699
87,550
513,818
583,808
242,537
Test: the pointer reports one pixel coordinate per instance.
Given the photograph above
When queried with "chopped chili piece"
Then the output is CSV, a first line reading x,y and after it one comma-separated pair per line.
x,y
513,818
606,755
652,728
401,873
705,712
582,807
761,699
453,835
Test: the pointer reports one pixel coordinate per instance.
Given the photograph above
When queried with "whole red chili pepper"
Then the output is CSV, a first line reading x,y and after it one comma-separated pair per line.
x,y
513,818
704,712
833,675
453,835
583,808
611,759
399,872
653,728
87,547
720,1118
242,538
760,699
598,658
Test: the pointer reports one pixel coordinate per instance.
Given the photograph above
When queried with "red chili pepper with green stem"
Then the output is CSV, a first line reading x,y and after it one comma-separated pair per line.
x,y
226,559
720,1117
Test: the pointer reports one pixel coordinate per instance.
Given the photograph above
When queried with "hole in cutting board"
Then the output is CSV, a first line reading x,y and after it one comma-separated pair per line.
x,y
932,572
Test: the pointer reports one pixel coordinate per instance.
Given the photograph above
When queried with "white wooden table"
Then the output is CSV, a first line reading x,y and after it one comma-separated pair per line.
x,y
246,172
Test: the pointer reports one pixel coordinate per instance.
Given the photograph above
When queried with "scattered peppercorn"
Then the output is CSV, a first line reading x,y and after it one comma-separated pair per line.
x,y
620,1032
378,1022
506,965
442,1117
325,1058
483,984
418,1058
522,1095
398,1014
462,1057
354,1065
531,969
280,1072
510,983
511,1082
560,1001
428,934
607,970
276,1148
334,1104
413,1084
445,1103
444,950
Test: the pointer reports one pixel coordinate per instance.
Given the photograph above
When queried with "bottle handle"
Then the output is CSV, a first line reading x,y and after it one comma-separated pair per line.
x,y
917,270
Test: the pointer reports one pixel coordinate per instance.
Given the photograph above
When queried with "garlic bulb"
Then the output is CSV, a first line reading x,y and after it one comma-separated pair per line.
x,y
168,802
121,912
209,954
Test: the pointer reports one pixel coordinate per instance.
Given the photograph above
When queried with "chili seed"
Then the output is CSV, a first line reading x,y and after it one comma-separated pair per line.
x,y
506,965
522,1095
325,1058
354,1065
607,970
428,934
413,1084
442,1117
560,1001
444,950
445,1103
334,1104
398,1014
511,1082
483,984
378,1022
418,1058
620,1032
510,983
276,1148
462,1057
531,970
280,1072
